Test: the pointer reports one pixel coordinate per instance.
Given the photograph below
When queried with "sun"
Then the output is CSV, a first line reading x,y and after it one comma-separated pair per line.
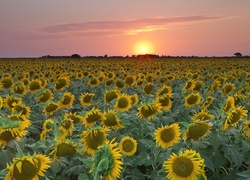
x,y
143,50
143,47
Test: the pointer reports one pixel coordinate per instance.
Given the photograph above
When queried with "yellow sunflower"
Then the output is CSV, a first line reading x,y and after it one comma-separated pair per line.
x,y
66,128
61,83
45,96
228,88
110,120
107,162
164,90
109,82
28,167
124,103
63,148
12,130
21,109
198,86
119,83
234,116
148,111
164,101
35,85
198,130
93,138
128,146
189,85
148,88
167,136
86,99
92,117
47,127
110,95
9,101
130,80
19,88
76,118
51,108
202,116
7,82
192,100
67,100
134,99
188,165
207,102
229,104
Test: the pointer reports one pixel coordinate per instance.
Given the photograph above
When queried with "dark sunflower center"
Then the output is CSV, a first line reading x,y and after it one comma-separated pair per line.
x,y
35,85
197,131
6,136
129,80
65,149
110,96
165,101
183,167
192,99
49,125
66,100
235,117
148,112
28,171
45,96
87,99
167,135
93,117
127,145
61,83
110,119
148,88
123,102
95,139
51,108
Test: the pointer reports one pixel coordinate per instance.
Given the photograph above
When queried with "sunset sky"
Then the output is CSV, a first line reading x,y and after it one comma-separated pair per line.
x,y
32,28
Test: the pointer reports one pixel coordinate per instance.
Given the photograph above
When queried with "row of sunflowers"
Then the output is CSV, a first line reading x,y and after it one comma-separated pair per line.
x,y
125,118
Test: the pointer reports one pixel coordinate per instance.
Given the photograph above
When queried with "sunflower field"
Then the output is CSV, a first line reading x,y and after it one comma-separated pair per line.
x,y
125,118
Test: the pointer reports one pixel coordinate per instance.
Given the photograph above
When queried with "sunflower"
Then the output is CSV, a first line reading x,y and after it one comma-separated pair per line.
x,y
109,82
192,100
94,81
134,99
128,146
229,104
64,148
246,129
148,110
66,128
92,117
107,162
110,120
228,88
202,116
21,109
47,127
61,83
35,85
188,165
7,82
124,103
213,87
198,86
234,116
164,90
164,101
93,138
207,102
19,88
238,98
67,100
110,95
12,130
130,80
167,136
119,83
189,85
86,99
198,130
148,88
28,167
51,108
45,96
10,101
76,118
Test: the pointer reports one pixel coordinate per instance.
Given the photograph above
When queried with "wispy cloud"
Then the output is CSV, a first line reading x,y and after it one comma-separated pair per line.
x,y
123,27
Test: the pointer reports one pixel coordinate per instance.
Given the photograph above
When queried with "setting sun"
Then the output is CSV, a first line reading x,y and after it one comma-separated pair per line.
x,y
143,50
143,47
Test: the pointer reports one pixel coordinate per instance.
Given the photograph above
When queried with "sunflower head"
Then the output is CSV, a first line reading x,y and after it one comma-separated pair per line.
x,y
110,95
164,101
207,102
228,88
67,100
190,85
124,103
28,167
164,90
51,108
86,99
202,116
128,146
192,100
92,117
134,99
10,101
130,80
148,88
110,120
7,82
198,130
35,85
21,109
107,161
61,83
76,118
47,127
148,111
167,136
19,88
45,96
229,104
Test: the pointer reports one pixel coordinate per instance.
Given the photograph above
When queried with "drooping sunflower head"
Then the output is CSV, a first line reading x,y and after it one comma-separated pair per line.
x,y
234,116
86,99
63,148
10,101
167,136
7,82
202,116
67,100
21,109
192,100
51,108
76,118
110,95
109,82
198,130
128,146
207,102
228,88
124,103
188,165
238,98
35,85
92,117
107,161
148,111
93,138
130,80
134,99
198,86
47,127
119,83
61,83
19,88
94,81
148,88
164,90
66,128
229,104
110,120
164,101
45,96
190,85
28,167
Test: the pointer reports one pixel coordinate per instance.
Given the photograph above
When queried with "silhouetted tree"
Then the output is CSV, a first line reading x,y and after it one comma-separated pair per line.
x,y
238,54
75,56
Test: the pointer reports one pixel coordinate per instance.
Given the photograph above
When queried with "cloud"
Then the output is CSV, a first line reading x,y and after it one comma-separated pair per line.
x,y
123,27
